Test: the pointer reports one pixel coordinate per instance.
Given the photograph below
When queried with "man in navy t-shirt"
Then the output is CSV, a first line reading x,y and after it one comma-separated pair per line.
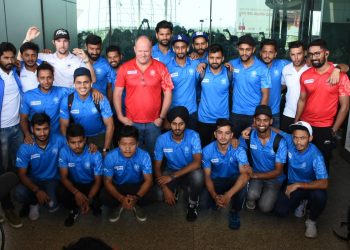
x,y
182,150
81,172
37,165
226,171
307,176
127,176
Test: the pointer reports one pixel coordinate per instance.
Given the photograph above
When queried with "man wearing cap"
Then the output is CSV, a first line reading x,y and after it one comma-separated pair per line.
x,y
214,101
182,150
183,74
268,152
307,176
148,88
105,74
62,60
79,107
252,84
318,102
227,172
200,46
162,50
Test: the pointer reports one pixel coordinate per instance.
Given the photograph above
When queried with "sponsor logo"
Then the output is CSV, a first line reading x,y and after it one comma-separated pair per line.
x,y
252,146
308,81
137,167
119,168
253,74
236,70
34,156
71,164
35,103
168,150
215,160
132,72
175,74
75,111
152,72
205,80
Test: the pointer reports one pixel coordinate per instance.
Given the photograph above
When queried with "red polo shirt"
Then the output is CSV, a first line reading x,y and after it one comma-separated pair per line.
x,y
143,99
322,98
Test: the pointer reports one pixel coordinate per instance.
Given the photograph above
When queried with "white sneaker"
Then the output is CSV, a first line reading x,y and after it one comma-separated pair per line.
x,y
311,229
34,212
250,205
300,211
115,214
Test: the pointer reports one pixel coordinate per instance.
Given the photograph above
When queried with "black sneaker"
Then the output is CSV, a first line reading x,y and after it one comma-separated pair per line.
x,y
72,217
24,212
192,213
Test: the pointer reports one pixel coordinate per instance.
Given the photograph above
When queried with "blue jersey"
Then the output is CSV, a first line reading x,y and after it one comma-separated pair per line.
x,y
158,55
203,59
84,112
104,74
178,155
304,166
127,170
248,83
36,101
42,164
275,72
82,168
263,156
223,165
185,82
214,97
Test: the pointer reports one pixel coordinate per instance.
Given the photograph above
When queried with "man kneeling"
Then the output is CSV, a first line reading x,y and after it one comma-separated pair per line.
x,y
127,176
226,171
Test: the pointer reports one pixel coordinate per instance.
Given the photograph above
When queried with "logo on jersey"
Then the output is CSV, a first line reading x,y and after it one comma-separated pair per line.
x,y
132,72
308,81
205,80
152,72
56,100
175,74
35,103
75,111
191,71
236,70
34,156
252,146
71,164
215,160
87,165
94,110
253,74
168,150
290,155
223,81
136,167
119,168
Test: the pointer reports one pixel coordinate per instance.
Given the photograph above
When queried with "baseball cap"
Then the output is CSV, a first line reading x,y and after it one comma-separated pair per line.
x,y
82,72
247,39
180,37
199,34
301,125
60,33
263,110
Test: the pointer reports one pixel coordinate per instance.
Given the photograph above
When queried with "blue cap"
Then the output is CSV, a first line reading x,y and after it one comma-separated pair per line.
x,y
180,37
82,72
200,34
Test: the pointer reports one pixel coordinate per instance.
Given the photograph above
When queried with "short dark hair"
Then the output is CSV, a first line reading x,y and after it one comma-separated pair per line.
x,y
75,130
29,45
271,42
115,48
222,122
296,44
164,25
128,131
88,243
40,119
44,66
5,46
93,39
318,42
214,48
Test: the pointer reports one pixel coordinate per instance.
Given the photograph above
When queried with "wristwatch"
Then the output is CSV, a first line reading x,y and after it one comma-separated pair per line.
x,y
105,150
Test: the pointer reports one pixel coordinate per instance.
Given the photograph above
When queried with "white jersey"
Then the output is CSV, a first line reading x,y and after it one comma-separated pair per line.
x,y
28,79
291,78
64,68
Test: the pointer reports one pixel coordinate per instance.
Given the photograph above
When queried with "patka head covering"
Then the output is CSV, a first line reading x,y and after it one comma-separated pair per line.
x,y
178,111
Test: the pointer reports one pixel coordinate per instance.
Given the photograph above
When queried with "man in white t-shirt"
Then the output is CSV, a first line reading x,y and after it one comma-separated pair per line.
x,y
10,131
64,62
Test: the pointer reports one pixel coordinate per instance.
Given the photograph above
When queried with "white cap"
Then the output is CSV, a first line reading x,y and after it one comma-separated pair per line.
x,y
302,126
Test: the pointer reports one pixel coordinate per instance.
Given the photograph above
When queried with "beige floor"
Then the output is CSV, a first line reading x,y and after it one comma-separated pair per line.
x,y
166,228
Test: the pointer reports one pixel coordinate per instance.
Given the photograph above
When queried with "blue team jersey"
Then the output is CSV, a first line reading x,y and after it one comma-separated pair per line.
x,y
36,101
214,97
82,168
42,164
84,112
275,72
304,166
203,59
127,170
223,165
185,81
263,156
248,84
178,155
104,74
158,55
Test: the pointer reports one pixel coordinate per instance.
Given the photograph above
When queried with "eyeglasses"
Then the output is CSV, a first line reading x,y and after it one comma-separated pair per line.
x,y
317,54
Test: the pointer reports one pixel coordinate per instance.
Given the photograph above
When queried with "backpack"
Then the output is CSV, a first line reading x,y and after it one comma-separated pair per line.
x,y
70,103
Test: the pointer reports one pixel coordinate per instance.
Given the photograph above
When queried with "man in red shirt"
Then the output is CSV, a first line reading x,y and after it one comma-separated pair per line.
x,y
148,93
318,101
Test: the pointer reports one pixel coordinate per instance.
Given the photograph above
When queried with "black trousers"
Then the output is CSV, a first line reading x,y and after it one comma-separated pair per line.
x,y
325,142
206,132
285,122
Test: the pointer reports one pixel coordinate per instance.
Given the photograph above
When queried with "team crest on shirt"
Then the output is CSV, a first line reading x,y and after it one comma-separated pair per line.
x,y
136,167
223,81
18,159
175,74
75,111
308,81
35,103
56,100
94,110
54,150
132,72
98,71
231,159
34,156
187,149
191,71
87,165
276,72
253,74
168,150
303,165
71,164
152,72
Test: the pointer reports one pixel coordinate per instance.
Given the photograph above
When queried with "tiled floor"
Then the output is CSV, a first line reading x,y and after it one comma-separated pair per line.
x,y
166,228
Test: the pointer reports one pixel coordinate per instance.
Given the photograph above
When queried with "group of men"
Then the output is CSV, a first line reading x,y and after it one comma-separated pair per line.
x,y
60,112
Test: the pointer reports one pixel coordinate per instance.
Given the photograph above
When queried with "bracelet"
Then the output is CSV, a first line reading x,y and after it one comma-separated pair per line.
x,y
172,176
